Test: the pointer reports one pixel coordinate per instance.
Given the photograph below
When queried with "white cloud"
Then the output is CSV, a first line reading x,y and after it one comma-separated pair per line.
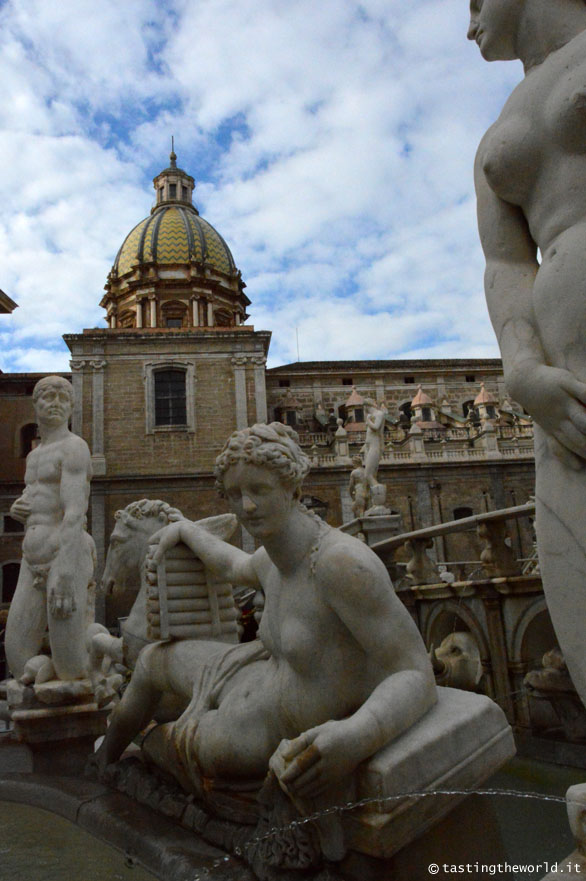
x,y
332,144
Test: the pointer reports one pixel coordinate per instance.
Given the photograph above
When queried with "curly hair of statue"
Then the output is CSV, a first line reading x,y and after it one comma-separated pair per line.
x,y
274,446
148,508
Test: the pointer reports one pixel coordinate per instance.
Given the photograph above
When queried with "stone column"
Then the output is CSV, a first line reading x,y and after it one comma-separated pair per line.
x,y
498,654
194,311
210,316
239,364
98,457
153,310
139,312
260,391
77,381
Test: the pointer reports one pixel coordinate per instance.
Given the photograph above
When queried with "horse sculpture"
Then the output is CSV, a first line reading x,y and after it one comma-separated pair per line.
x,y
125,568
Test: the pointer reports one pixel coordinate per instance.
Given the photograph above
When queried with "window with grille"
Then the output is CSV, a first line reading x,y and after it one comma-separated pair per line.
x,y
170,398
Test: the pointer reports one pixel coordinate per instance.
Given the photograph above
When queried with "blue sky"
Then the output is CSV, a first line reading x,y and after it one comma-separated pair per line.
x,y
332,145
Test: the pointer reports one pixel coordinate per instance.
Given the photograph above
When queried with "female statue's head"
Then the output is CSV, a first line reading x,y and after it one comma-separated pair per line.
x,y
274,446
494,26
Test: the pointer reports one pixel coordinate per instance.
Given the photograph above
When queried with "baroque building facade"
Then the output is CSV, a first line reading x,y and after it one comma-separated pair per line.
x,y
176,370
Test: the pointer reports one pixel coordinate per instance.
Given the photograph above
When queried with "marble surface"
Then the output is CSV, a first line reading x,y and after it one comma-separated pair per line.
x,y
55,584
530,173
338,672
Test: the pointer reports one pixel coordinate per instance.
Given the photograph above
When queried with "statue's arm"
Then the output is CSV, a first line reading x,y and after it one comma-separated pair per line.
x,y
21,507
552,395
224,560
74,492
365,602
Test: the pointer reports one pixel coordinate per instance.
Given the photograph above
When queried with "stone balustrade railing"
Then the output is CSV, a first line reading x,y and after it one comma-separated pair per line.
x,y
491,442
497,558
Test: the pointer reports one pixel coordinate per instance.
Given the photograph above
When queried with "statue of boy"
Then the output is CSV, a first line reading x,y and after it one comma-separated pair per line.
x,y
58,562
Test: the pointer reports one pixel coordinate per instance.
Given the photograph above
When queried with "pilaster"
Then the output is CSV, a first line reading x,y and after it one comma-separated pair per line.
x,y
77,367
260,390
239,365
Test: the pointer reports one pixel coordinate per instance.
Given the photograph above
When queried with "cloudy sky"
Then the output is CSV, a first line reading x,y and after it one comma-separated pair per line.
x,y
332,145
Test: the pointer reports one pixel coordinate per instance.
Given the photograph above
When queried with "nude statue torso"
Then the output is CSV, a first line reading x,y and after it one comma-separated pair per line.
x,y
42,494
534,156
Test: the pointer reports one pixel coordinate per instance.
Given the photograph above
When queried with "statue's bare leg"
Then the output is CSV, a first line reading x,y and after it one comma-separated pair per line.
x,y
161,668
67,635
561,540
27,622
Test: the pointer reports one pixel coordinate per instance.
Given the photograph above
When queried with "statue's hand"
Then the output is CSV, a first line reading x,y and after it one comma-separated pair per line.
x,y
317,759
162,541
557,402
61,599
20,509
181,531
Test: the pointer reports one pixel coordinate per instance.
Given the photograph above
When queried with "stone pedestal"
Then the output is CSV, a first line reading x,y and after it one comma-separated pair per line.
x,y
419,777
58,736
374,528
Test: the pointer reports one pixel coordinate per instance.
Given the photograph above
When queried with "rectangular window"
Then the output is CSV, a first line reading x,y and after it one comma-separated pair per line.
x,y
409,380
284,383
174,322
470,378
170,402
347,380
172,191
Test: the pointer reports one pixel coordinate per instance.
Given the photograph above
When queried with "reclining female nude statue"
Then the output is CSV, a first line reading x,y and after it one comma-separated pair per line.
x,y
339,669
531,188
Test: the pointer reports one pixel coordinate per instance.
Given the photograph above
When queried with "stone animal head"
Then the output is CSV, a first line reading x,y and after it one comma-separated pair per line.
x,y
129,541
456,662
551,678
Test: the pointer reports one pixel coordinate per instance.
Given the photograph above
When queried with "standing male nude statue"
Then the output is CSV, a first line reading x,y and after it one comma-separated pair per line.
x,y
58,554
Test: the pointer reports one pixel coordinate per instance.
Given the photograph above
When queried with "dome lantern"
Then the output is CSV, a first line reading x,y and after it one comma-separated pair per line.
x,y
173,186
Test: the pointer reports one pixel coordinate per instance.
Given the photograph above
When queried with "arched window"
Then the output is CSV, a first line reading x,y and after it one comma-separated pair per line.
x,y
29,434
127,319
170,397
10,573
223,318
426,414
175,314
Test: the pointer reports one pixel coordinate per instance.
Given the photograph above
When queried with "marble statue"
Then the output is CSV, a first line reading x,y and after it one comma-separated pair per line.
x,y
456,662
358,487
338,672
375,439
56,575
529,172
124,570
551,682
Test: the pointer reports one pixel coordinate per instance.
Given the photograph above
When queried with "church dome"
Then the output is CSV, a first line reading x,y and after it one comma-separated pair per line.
x,y
174,270
174,234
